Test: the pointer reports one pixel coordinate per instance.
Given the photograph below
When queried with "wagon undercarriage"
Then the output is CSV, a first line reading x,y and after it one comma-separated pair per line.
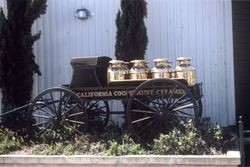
x,y
151,108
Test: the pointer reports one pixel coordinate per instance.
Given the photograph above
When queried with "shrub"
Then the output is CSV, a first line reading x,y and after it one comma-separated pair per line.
x,y
9,141
126,147
206,139
79,145
177,142
54,149
89,145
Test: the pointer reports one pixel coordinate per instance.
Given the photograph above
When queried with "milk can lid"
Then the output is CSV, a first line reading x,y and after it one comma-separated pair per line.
x,y
138,61
184,59
161,60
116,61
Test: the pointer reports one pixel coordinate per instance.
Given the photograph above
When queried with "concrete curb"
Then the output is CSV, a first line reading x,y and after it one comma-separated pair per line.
x,y
110,161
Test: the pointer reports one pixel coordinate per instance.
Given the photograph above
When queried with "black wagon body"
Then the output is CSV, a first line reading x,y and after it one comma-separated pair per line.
x,y
149,106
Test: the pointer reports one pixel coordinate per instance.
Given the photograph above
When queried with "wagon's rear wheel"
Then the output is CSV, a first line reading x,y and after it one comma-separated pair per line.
x,y
158,105
200,108
98,114
59,110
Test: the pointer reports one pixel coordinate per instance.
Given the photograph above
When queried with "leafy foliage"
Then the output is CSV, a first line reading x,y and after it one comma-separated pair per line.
x,y
17,60
9,141
180,142
131,35
59,149
203,140
206,139
126,147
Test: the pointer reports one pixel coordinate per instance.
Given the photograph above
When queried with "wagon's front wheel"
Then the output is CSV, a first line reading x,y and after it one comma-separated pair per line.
x,y
158,105
57,110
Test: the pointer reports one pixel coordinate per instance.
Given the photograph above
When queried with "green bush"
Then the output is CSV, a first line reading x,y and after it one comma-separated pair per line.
x,y
206,139
177,142
54,149
60,149
203,138
9,141
126,147
89,145
80,145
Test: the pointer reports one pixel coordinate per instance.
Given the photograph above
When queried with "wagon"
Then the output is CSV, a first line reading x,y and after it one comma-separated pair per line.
x,y
150,106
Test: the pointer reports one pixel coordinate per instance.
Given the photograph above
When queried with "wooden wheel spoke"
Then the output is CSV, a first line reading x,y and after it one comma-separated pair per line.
x,y
75,114
183,107
184,101
102,114
74,121
67,125
71,108
52,99
61,97
66,102
145,105
143,111
49,107
179,99
185,113
152,101
41,123
44,111
142,119
41,116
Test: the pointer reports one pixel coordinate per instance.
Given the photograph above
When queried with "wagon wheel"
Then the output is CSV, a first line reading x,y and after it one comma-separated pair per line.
x,y
158,105
200,109
57,109
98,114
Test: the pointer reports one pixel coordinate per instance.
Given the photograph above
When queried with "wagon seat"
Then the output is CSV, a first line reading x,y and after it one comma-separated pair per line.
x,y
89,71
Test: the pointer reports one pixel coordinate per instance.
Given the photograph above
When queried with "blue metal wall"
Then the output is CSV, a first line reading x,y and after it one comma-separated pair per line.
x,y
201,29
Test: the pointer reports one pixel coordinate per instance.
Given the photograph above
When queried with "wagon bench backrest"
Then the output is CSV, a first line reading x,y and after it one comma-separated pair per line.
x,y
89,71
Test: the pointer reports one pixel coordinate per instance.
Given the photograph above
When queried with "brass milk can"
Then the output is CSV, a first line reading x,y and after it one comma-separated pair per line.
x,y
185,70
138,70
162,69
117,70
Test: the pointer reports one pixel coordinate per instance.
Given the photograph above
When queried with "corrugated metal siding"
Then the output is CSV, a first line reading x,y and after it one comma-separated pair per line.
x,y
201,29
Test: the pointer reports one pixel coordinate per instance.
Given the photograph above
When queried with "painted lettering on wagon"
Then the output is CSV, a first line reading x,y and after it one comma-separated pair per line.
x,y
159,92
171,91
94,94
123,93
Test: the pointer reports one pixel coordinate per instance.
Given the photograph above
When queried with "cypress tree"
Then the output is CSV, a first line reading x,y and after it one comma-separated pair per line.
x,y
131,35
17,60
